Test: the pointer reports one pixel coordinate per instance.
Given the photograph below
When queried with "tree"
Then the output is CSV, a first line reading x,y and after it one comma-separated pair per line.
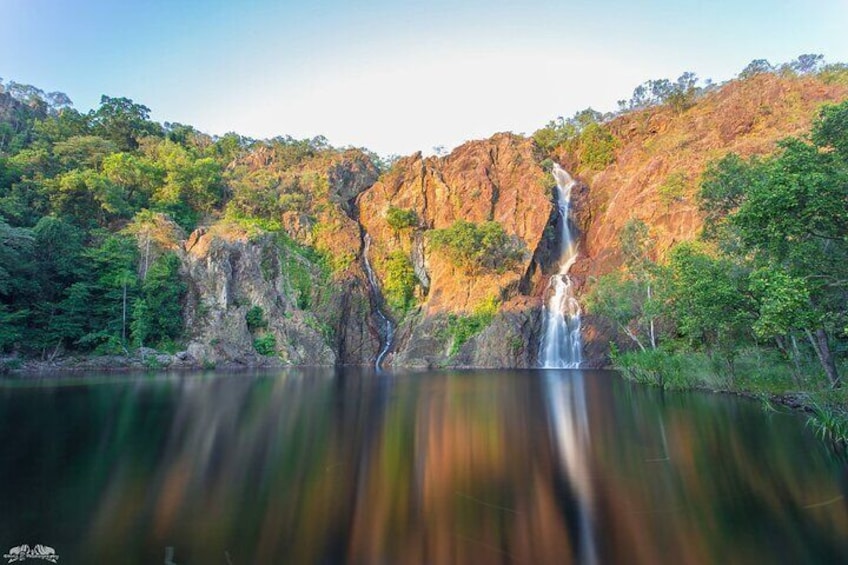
x,y
756,67
616,298
112,285
789,215
628,299
157,313
124,122
477,247
399,283
806,64
401,218
708,301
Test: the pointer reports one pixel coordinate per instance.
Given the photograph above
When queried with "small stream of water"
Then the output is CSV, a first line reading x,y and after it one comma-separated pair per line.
x,y
386,329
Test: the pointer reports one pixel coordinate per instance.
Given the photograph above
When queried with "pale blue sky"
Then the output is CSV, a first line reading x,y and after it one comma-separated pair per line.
x,y
394,76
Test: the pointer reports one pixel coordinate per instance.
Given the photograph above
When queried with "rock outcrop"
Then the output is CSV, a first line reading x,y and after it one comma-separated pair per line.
x,y
660,157
229,273
308,281
497,179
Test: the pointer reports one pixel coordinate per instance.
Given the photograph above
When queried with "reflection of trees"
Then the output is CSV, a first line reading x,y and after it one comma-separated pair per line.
x,y
705,479
311,467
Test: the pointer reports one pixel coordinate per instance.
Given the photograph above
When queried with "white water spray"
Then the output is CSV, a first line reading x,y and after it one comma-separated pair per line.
x,y
387,330
561,345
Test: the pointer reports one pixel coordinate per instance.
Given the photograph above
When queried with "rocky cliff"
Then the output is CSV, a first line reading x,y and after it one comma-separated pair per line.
x,y
497,179
660,156
304,279
309,279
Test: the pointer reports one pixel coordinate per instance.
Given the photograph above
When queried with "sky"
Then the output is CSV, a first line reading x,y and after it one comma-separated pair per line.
x,y
394,76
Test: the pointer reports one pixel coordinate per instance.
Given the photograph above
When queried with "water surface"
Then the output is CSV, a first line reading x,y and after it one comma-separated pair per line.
x,y
319,466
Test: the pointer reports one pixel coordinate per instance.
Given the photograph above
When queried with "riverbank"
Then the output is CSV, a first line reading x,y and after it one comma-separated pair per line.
x,y
757,374
143,359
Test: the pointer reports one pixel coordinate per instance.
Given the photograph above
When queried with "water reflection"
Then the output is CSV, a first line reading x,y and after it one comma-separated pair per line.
x,y
483,467
569,423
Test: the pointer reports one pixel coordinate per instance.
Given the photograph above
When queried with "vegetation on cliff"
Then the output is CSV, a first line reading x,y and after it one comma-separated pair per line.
x,y
94,208
761,297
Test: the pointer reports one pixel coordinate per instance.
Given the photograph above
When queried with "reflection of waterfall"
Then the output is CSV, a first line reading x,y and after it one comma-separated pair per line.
x,y
561,344
570,425
386,329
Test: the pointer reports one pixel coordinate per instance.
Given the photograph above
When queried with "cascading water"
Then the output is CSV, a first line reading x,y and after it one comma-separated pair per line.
x,y
561,345
387,329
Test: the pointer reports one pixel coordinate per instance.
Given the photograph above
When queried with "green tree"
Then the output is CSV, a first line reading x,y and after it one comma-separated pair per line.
x,y
112,285
709,302
401,218
616,298
157,312
485,247
124,122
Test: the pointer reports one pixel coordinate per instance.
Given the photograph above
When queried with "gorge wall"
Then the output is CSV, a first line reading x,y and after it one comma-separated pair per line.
x,y
320,310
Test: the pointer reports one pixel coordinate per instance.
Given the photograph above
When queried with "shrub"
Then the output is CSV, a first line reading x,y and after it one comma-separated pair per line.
x,y
462,328
483,246
597,146
400,218
400,281
266,344
255,318
673,188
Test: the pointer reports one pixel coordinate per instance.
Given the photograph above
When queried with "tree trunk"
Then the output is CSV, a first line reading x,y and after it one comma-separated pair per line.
x,y
822,347
124,320
632,336
793,355
653,333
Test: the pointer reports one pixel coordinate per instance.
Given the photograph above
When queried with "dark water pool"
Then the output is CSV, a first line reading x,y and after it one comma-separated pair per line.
x,y
311,466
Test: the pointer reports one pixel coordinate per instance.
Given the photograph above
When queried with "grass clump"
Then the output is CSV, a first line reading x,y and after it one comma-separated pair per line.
x,y
461,328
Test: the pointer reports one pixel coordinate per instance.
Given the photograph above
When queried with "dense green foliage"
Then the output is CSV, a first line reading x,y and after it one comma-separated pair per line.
x,y
769,276
157,313
401,218
399,283
265,344
82,195
478,247
584,135
255,319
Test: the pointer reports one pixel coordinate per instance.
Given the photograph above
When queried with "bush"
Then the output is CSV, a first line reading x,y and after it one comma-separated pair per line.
x,y
596,146
400,218
483,246
673,188
462,328
400,281
266,344
255,318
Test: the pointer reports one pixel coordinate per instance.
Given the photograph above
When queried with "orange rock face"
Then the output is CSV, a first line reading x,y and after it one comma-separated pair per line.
x,y
496,179
662,155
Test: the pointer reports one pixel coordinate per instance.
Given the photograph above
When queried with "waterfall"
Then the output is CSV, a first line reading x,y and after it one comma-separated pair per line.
x,y
386,329
561,346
